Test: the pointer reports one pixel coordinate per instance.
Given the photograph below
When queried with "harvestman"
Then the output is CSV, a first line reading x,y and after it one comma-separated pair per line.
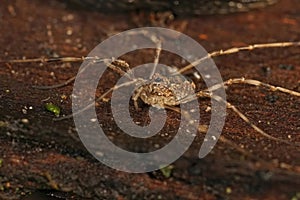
x,y
159,90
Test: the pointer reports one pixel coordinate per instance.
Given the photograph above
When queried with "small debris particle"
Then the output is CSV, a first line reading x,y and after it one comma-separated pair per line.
x,y
193,110
289,21
68,41
69,31
285,166
105,99
208,76
228,190
286,67
46,99
25,121
51,182
272,98
99,153
11,10
93,120
266,70
68,17
24,111
197,75
203,36
208,109
63,97
203,128
7,184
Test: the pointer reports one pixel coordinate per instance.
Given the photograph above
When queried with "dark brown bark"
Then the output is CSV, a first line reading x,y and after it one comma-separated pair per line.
x,y
181,7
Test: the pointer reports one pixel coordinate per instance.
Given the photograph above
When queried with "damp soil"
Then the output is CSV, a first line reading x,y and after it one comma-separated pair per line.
x,y
44,159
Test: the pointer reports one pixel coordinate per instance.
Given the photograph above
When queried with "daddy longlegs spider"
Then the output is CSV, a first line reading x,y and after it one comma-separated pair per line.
x,y
159,84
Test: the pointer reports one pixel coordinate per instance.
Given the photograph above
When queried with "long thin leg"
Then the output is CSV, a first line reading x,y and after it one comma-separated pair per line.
x,y
46,60
70,79
202,94
211,54
108,63
245,119
118,68
293,170
156,60
158,42
136,96
221,138
48,87
263,133
238,49
254,83
98,99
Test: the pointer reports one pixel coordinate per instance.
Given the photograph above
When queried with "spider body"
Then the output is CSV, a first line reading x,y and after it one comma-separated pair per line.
x,y
162,90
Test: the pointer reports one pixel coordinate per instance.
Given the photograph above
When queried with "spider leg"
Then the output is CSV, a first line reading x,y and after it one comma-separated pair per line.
x,y
117,67
245,119
200,130
48,87
46,60
293,170
266,165
113,67
157,41
205,94
156,59
70,79
136,96
238,49
98,99
93,60
254,83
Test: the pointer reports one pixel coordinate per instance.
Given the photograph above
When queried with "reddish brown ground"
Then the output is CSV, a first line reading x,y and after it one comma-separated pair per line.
x,y
45,155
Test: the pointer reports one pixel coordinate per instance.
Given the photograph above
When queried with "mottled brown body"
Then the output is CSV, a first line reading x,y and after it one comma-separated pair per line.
x,y
162,90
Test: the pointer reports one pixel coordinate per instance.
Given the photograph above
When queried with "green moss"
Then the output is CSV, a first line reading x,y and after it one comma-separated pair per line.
x,y
167,171
53,108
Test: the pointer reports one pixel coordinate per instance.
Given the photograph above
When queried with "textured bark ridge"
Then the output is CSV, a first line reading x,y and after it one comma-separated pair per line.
x,y
180,7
